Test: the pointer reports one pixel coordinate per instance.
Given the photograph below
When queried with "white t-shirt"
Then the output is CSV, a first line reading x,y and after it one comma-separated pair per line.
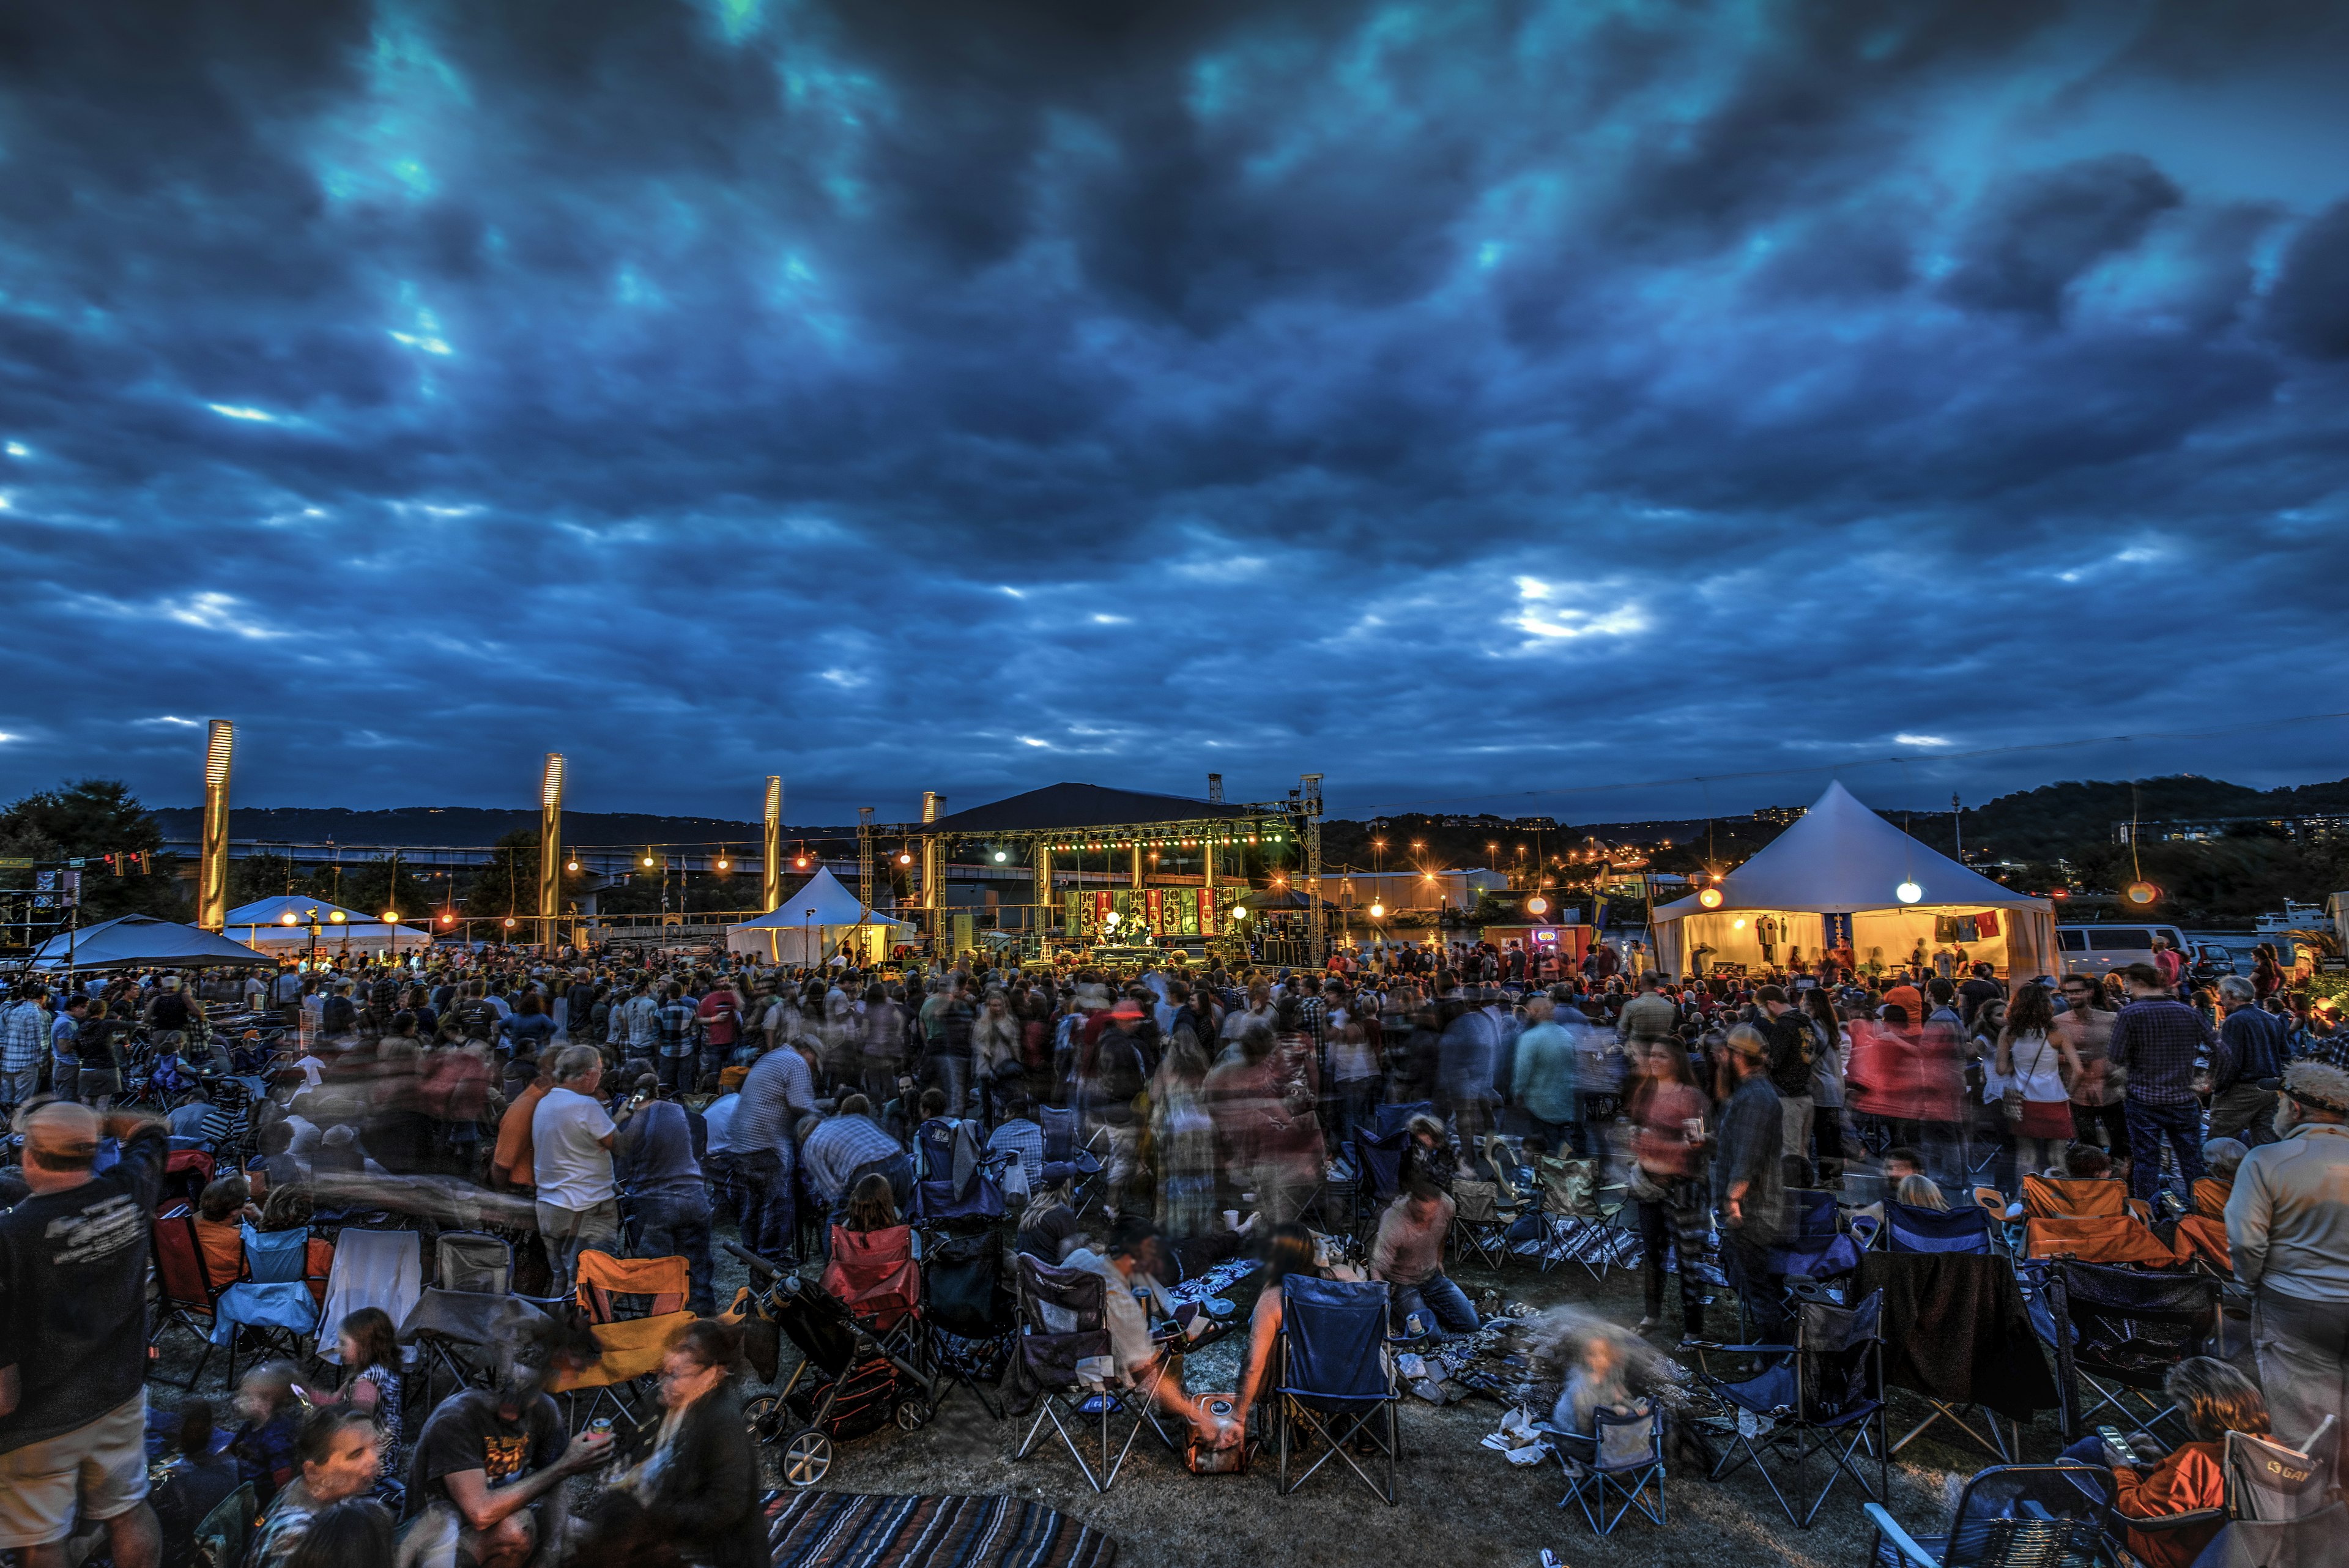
x,y
719,1117
573,1167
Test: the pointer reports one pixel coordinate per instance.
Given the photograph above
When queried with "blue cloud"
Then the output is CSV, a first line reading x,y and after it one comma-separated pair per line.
x,y
1454,399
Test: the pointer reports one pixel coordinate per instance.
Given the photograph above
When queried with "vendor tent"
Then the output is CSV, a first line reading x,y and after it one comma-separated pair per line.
x,y
812,921
1836,877
142,942
263,925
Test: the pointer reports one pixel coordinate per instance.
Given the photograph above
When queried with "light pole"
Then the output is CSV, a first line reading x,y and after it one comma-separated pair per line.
x,y
807,938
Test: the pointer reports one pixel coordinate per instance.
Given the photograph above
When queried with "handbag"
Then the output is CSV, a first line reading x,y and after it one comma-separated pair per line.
x,y
2011,1097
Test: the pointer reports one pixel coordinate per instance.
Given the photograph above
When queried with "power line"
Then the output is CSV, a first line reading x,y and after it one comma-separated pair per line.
x,y
1935,756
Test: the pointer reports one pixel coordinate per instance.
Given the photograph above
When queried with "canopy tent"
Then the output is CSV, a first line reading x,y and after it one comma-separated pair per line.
x,y
142,942
1273,901
263,925
1075,805
812,921
1839,872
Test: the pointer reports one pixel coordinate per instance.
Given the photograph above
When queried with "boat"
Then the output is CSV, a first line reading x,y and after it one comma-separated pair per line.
x,y
2295,917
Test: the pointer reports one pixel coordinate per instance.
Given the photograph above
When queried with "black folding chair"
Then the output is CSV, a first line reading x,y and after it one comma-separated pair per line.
x,y
2311,1542
1066,1354
1821,1396
2116,1333
2013,1516
1610,1471
970,1313
1337,1383
474,1262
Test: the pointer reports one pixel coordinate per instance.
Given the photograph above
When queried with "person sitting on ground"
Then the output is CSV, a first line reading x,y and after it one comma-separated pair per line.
x,y
1409,1255
1287,1251
276,1160
221,1209
352,1533
203,1477
487,1455
1129,1264
2215,1399
841,1144
288,1207
263,1445
339,1456
2086,1162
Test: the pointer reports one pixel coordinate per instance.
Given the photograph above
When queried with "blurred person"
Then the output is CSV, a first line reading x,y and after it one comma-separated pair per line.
x,y
2035,1060
720,1020
1409,1255
841,1145
1183,1141
201,1477
338,1456
692,1476
2096,1090
74,1258
1793,1050
1668,1114
1542,1078
1749,1182
1826,1082
1019,1132
265,1444
996,1067
24,1046
98,1058
778,1092
352,1533
2246,1066
1289,1252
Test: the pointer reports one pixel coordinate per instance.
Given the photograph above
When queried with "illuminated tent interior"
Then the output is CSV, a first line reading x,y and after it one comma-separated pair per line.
x,y
1842,859
262,926
811,921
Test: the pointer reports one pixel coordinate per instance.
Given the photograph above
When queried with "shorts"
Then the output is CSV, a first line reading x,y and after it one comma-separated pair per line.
x,y
97,1470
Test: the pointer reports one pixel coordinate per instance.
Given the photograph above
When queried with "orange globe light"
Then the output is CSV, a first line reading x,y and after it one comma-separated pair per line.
x,y
1536,906
2141,893
721,865
391,917
448,919
800,862
509,920
286,919
1710,898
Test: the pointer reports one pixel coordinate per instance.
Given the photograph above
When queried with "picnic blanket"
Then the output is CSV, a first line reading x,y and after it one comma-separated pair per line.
x,y
846,1530
1955,1327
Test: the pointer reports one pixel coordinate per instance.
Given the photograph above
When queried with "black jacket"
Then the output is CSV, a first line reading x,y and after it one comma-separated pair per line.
x,y
706,1500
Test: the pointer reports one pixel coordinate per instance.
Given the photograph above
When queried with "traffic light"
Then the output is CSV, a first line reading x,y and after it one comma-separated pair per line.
x,y
114,865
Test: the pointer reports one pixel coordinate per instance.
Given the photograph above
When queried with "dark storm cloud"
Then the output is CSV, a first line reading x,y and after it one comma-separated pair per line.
x,y
1450,399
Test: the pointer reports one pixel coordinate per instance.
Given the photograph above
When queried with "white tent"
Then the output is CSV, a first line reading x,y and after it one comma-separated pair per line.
x,y
811,922
262,927
1843,863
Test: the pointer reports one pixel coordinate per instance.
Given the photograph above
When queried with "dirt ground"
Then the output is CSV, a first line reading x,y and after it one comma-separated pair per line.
x,y
1458,1502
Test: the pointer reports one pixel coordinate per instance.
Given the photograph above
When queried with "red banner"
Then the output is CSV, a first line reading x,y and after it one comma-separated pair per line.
x,y
1155,899
1206,911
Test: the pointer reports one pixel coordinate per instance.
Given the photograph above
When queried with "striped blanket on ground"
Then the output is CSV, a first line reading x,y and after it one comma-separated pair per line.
x,y
844,1529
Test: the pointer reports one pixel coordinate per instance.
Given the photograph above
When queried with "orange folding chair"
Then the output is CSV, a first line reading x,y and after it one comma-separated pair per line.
x,y
636,1310
2076,1198
187,1295
2200,1239
2103,1238
2211,1197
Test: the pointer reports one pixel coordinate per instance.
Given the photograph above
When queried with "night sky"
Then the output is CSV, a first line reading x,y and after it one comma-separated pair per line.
x,y
1454,399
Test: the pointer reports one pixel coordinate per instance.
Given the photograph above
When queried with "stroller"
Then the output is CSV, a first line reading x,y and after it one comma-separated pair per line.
x,y
863,1346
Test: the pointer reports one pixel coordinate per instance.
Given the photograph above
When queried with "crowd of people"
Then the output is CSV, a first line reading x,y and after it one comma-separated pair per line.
x,y
647,1106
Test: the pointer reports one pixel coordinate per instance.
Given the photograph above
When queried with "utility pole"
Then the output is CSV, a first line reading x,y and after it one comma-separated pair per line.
x,y
864,856
1317,945
1957,825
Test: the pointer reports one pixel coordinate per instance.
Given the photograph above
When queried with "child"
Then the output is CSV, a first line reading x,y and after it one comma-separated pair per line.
x,y
1595,1384
221,1209
369,1347
263,1445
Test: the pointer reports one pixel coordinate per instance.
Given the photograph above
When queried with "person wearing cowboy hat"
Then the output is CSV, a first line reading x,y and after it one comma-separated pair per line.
x,y
2288,1234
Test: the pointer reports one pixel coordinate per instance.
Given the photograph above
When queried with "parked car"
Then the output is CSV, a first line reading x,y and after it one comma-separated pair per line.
x,y
2098,949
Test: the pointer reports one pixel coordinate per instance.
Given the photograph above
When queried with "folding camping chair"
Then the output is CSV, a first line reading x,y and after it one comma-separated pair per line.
x,y
941,1147
453,1332
1068,1157
2118,1333
220,1534
2311,1542
1824,1394
634,1309
1614,1464
2100,1239
273,1301
188,1297
372,1269
1481,1219
1338,1382
1909,1228
1064,1350
2267,1482
1577,1225
1379,1154
2079,1197
2201,1242
473,1262
2010,1516
971,1314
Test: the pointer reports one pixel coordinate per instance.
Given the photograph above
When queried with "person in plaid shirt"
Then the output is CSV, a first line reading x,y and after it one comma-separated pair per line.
x,y
2160,1041
675,1021
24,1041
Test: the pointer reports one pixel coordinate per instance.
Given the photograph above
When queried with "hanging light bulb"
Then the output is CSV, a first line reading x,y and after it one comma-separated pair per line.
x,y
1907,892
1710,898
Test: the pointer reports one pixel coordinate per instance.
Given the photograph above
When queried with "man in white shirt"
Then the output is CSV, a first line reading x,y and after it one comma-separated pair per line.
x,y
1125,1266
571,1161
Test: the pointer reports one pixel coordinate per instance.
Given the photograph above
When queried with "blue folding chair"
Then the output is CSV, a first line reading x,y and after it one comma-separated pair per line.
x,y
1614,1466
276,1257
939,1146
1823,1395
1337,1382
2010,1516
1909,1229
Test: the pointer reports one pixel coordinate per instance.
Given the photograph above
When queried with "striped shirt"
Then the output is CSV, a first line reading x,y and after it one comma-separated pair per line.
x,y
778,1091
27,1037
835,1150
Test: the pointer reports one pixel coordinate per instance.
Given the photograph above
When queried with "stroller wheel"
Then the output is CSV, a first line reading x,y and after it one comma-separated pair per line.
x,y
807,1458
912,1413
763,1415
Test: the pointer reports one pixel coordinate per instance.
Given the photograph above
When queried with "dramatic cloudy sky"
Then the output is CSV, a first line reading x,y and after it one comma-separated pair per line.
x,y
1455,398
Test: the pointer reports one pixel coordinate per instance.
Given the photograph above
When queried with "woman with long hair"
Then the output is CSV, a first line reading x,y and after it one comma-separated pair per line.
x,y
1826,1080
1668,1114
871,1206
1183,1140
2038,1064
694,1471
1288,1250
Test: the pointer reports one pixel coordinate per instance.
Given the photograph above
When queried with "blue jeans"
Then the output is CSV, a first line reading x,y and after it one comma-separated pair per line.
x,y
769,1218
677,1226
676,1072
1438,1298
2147,1126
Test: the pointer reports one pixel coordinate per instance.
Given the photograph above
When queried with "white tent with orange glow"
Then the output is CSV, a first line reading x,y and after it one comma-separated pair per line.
x,y
812,921
1843,868
281,925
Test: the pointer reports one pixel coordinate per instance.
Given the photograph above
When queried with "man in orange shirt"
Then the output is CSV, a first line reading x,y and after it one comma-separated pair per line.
x,y
509,1167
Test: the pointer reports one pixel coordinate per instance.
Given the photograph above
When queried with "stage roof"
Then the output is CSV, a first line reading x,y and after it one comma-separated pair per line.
x,y
1070,806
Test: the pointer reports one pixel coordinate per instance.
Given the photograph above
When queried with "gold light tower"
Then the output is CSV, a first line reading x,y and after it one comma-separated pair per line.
x,y
549,848
770,858
934,806
212,878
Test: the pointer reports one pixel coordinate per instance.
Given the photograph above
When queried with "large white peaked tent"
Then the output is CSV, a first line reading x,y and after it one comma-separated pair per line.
x,y
262,925
813,922
1841,859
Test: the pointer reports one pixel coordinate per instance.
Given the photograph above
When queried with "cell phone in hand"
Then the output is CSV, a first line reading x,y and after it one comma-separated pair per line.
x,y
2116,1446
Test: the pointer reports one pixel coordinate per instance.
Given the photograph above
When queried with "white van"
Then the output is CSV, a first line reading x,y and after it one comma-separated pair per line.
x,y
2096,950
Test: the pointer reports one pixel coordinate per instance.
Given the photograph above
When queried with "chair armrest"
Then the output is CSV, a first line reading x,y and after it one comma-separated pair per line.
x,y
1740,1349
2154,1524
1902,1541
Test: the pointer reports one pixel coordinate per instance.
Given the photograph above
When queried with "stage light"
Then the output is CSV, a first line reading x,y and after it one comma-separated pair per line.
x,y
905,859
572,865
648,860
1000,857
509,920
1710,898
1378,911
1907,892
1737,925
